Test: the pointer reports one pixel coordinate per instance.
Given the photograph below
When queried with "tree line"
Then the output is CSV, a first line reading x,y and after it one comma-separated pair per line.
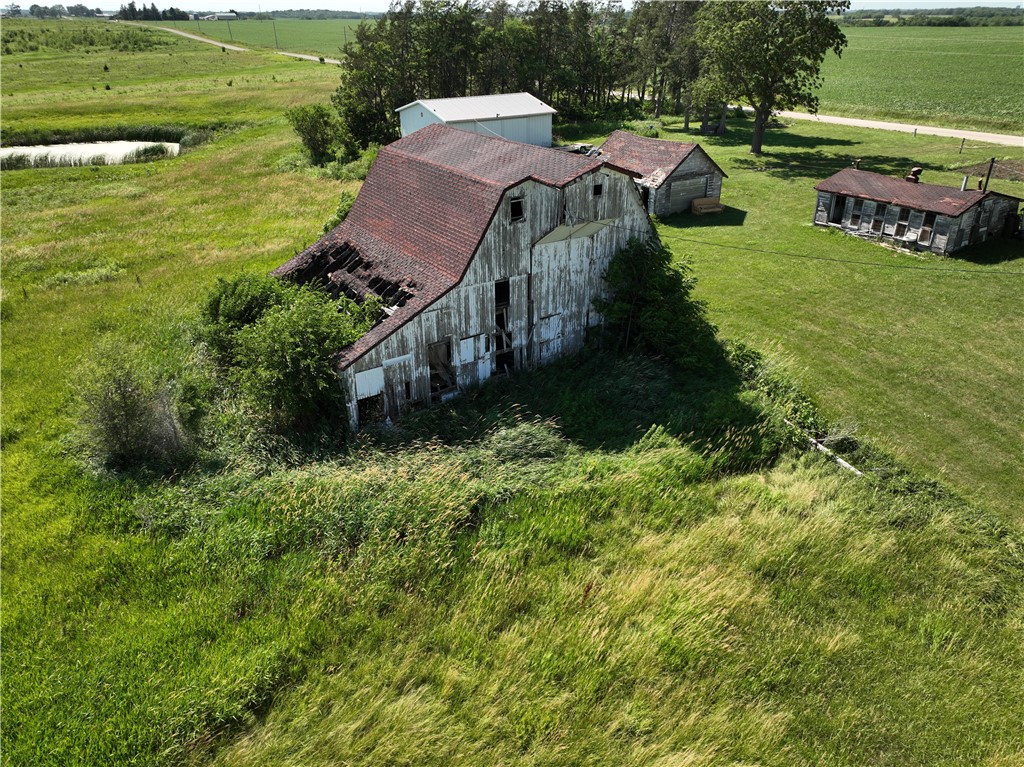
x,y
587,59
131,12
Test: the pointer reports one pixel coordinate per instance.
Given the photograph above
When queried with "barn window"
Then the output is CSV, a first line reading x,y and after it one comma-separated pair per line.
x,y
516,210
371,410
442,374
598,189
925,236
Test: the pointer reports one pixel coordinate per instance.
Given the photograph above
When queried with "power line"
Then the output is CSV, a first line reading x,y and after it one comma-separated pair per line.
x,y
839,260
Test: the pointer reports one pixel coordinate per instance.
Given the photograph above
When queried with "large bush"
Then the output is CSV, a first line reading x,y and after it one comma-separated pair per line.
x,y
127,417
286,360
650,308
319,129
237,303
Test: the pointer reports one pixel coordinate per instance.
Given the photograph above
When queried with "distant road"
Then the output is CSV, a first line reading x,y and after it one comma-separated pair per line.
x,y
189,35
926,130
218,43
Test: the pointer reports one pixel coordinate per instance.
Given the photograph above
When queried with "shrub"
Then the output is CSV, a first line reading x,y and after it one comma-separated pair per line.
x,y
357,169
286,360
318,128
237,303
345,202
650,308
126,417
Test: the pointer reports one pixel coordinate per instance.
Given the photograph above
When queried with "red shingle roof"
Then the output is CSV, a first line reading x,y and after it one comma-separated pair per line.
x,y
931,198
650,158
421,214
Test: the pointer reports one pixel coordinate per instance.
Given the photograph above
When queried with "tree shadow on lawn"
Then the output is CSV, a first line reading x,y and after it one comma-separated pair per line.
x,y
998,251
739,134
819,165
603,401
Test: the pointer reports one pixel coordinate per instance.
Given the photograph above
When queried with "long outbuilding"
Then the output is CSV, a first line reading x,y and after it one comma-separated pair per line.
x,y
908,213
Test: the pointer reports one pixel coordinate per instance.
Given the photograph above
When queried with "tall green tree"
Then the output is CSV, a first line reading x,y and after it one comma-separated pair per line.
x,y
768,53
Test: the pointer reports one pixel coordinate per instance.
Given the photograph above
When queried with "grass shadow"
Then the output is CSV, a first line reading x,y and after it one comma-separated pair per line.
x,y
819,165
998,251
686,220
606,402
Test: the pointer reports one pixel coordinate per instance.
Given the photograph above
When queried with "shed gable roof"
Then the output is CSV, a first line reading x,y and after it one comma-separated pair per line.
x,y
489,107
931,198
652,159
425,206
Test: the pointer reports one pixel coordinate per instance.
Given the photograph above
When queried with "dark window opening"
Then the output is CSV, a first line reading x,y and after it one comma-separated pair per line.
x,y
502,293
879,218
927,229
838,206
371,410
901,222
516,209
598,190
408,391
442,373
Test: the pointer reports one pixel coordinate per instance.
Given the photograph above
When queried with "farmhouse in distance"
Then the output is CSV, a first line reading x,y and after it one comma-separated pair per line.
x,y
941,219
487,254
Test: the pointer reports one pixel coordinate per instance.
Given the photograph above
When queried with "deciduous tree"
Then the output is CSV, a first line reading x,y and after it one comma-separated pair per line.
x,y
768,53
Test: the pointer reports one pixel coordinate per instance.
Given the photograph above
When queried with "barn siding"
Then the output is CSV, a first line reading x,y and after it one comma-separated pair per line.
x,y
552,287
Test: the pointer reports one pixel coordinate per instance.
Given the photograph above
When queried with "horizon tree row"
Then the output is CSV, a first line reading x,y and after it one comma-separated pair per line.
x,y
587,59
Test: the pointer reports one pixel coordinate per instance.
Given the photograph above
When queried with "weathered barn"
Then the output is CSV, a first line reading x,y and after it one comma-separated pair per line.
x,y
941,219
670,174
487,254
515,116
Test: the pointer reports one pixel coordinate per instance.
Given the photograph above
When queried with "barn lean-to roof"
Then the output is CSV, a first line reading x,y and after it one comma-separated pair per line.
x,y
653,160
425,206
931,198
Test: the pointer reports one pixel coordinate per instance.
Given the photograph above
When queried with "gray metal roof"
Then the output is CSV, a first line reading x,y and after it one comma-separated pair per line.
x,y
483,107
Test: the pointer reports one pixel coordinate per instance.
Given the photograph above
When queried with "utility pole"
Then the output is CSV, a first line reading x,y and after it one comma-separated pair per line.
x,y
989,174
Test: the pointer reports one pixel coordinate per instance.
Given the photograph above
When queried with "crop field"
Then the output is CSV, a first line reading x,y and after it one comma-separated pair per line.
x,y
604,562
319,37
955,77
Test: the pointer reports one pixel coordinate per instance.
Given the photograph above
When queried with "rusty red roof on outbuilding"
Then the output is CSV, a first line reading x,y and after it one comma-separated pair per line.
x,y
652,158
931,198
423,210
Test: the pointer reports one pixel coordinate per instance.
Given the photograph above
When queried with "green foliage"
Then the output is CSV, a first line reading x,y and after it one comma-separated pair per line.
x,y
286,360
768,54
319,129
127,417
236,303
345,202
650,308
357,169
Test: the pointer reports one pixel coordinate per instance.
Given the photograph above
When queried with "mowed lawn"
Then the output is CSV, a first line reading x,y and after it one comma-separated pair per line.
x,y
961,77
319,37
923,354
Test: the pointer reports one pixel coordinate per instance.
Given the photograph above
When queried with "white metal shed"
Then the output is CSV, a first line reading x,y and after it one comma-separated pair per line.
x,y
514,116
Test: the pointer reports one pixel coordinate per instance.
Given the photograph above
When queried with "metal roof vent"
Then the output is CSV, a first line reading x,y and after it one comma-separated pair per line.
x,y
915,175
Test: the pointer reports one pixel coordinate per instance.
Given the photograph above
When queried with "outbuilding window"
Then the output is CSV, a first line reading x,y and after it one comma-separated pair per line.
x,y
598,189
927,229
516,210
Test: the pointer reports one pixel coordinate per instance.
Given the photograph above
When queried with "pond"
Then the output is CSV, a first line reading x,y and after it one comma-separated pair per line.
x,y
96,153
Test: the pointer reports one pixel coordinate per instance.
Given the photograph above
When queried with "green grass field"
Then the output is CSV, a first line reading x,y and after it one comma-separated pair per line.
x,y
946,76
319,37
532,575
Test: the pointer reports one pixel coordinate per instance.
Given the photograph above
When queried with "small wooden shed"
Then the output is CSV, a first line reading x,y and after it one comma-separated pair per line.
x,y
942,219
670,174
515,116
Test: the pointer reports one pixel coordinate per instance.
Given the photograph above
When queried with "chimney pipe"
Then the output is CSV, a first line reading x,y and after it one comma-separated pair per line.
x,y
856,164
963,186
